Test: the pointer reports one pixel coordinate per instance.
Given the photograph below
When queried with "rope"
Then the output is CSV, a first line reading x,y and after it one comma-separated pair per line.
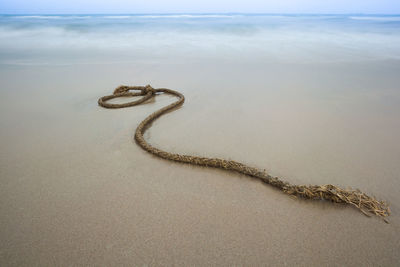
x,y
366,204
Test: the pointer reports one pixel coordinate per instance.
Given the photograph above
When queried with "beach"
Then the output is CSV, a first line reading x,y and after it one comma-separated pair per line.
x,y
311,99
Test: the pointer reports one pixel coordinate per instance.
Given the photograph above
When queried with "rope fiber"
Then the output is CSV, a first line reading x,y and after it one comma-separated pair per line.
x,y
366,204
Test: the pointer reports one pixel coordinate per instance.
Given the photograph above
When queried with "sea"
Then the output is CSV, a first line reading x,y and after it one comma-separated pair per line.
x,y
297,38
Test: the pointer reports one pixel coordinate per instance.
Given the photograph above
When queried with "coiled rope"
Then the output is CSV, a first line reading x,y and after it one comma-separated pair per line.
x,y
366,204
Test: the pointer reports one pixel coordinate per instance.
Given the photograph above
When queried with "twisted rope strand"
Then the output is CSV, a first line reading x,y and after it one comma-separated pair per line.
x,y
366,204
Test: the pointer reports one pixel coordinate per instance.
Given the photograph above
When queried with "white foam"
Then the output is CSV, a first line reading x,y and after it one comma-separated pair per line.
x,y
51,17
117,17
377,18
188,16
38,17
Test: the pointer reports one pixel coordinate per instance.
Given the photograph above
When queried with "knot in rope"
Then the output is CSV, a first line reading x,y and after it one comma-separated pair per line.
x,y
149,89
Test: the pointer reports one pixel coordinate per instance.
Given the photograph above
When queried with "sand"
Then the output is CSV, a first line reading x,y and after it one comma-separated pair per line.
x,y
75,190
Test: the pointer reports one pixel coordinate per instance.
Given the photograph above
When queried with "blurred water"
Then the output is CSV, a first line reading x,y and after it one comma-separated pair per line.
x,y
67,39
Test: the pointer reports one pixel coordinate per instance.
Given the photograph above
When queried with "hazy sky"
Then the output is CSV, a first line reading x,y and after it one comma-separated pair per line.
x,y
181,6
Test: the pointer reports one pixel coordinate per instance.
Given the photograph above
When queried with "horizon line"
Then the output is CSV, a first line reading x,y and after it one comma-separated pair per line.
x,y
203,13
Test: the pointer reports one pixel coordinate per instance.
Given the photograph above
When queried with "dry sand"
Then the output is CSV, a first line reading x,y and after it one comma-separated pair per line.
x,y
76,190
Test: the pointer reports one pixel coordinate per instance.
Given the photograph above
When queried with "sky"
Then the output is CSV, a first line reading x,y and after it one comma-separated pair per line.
x,y
203,6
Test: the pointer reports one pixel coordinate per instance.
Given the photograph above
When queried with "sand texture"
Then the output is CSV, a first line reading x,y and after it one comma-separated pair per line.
x,y
75,189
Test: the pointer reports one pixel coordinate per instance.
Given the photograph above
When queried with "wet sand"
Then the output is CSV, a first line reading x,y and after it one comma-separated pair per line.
x,y
76,190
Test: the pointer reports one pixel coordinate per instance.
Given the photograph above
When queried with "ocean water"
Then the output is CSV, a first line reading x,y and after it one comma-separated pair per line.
x,y
38,39
313,99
